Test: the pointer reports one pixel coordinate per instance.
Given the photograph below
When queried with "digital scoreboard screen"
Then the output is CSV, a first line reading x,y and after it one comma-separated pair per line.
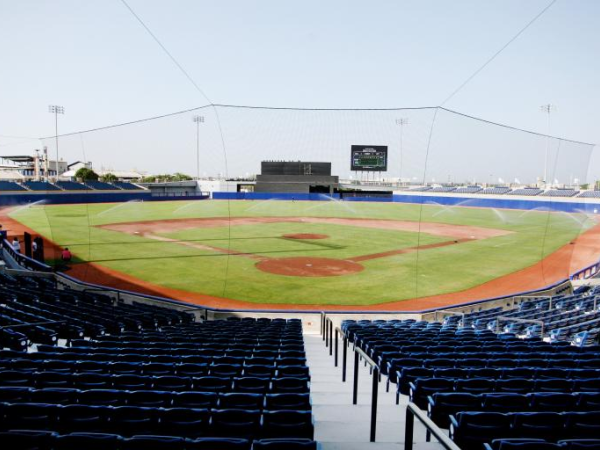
x,y
369,157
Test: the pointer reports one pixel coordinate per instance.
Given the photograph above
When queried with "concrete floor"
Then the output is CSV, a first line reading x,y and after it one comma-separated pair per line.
x,y
340,425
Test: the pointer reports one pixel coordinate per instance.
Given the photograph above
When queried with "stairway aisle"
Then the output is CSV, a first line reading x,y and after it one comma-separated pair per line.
x,y
339,425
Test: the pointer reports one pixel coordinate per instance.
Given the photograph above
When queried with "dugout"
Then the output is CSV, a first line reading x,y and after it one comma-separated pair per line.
x,y
303,177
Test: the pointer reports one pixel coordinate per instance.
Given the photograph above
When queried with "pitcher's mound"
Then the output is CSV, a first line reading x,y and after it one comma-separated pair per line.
x,y
305,236
305,266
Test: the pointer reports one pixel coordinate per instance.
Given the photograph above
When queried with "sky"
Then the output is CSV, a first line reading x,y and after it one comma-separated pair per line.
x,y
95,59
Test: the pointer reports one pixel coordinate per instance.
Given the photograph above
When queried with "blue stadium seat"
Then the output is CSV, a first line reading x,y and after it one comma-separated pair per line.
x,y
132,420
235,423
470,430
296,424
149,399
218,443
154,443
103,397
87,441
29,416
546,425
14,394
61,396
27,439
284,444
443,404
582,425
251,384
580,444
288,401
238,400
200,400
184,422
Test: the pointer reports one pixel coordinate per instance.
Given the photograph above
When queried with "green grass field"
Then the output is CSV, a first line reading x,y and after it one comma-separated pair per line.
x,y
190,264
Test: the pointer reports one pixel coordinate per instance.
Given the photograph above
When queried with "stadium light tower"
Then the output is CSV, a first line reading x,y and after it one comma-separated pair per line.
x,y
401,122
198,120
548,109
56,110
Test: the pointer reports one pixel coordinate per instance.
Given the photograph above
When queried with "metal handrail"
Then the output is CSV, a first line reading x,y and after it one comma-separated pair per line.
x,y
413,411
533,296
447,311
516,319
25,261
107,289
358,354
327,329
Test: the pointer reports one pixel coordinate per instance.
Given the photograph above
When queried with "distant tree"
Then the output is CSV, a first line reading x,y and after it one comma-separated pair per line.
x,y
585,186
85,174
109,177
163,178
178,176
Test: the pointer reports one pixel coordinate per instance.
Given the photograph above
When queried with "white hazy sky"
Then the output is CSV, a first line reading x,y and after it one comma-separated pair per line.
x,y
96,60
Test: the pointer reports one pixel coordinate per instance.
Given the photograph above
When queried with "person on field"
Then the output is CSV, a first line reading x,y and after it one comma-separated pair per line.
x,y
16,245
66,256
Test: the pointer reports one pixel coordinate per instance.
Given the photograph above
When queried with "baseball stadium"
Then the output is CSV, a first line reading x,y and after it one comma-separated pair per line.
x,y
230,277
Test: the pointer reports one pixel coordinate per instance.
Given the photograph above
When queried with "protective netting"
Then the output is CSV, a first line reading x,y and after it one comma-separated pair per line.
x,y
427,243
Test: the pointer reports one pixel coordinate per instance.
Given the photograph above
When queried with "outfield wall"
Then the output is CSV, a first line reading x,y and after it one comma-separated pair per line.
x,y
569,205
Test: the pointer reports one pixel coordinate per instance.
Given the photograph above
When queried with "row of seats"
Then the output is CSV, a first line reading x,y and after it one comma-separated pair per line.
x,y
143,356
442,405
28,300
541,444
161,383
132,420
273,351
273,341
249,367
470,430
403,377
390,362
48,440
157,399
421,388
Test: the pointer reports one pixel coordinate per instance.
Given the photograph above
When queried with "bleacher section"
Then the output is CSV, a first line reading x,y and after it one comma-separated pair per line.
x,y
526,192
486,387
421,189
145,377
443,189
40,186
101,186
11,186
590,194
495,191
560,193
126,186
71,186
569,318
468,190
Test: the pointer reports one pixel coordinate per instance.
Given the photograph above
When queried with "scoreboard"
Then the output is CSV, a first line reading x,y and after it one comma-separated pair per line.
x,y
369,157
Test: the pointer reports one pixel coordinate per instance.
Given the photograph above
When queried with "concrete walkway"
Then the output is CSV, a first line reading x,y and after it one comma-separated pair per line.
x,y
340,425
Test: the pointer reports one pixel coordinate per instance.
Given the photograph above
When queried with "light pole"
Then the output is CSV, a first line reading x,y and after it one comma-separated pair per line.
x,y
198,120
56,110
549,108
401,122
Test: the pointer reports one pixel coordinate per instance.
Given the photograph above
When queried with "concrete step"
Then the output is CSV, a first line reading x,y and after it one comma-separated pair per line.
x,y
341,425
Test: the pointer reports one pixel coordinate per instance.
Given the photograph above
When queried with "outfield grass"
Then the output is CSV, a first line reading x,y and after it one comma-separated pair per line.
x,y
428,272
